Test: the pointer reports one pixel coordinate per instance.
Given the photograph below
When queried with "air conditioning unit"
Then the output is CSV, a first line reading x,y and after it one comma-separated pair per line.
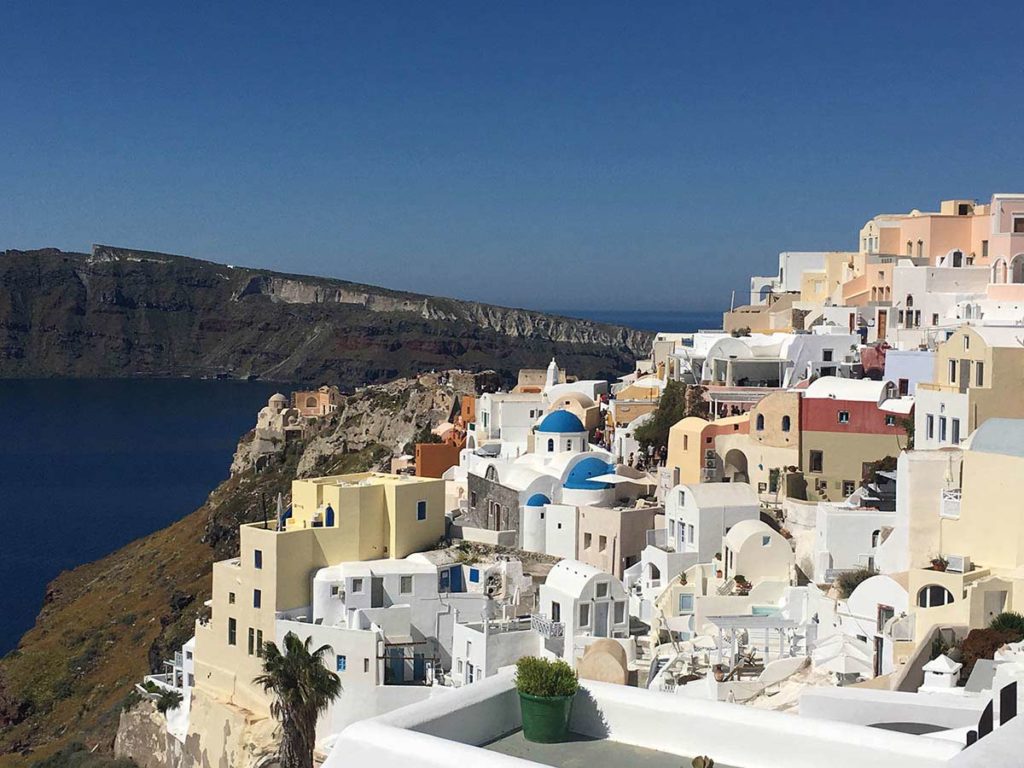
x,y
709,454
709,464
958,563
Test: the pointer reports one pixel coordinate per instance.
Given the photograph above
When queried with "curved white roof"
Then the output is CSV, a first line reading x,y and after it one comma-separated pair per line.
x,y
836,388
722,494
1000,436
743,530
571,576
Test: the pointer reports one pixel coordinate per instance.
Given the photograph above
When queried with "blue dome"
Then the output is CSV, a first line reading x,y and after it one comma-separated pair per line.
x,y
579,476
537,500
561,421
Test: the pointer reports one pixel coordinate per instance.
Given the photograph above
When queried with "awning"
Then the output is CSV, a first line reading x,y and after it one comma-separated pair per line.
x,y
617,479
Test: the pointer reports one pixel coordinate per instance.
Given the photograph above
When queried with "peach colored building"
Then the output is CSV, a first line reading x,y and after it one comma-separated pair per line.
x,y
317,402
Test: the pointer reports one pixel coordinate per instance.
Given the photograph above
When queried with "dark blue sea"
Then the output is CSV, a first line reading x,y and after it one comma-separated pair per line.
x,y
642,320
87,466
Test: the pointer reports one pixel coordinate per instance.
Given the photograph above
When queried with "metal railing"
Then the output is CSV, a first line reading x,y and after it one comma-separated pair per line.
x,y
541,624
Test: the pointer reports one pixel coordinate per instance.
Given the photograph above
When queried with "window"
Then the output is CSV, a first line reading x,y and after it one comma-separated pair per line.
x,y
259,642
689,533
910,301
933,596
682,497
1018,224
335,590
844,417
585,614
954,434
817,460
421,510
556,611
942,429
405,585
952,371
619,612
760,422
785,423
568,445
849,487
672,528
257,598
551,445
929,426
890,420
366,666
257,558
920,248
910,248
826,355
686,442
232,632
967,342
340,663
935,318
904,385
685,603
231,598
601,589
979,374
602,543
357,585
472,499
587,540
252,641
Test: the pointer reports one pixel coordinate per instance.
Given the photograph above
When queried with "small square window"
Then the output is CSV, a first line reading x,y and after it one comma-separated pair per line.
x,y
844,417
406,585
601,589
474,575
602,543
587,538
357,585
335,590
686,603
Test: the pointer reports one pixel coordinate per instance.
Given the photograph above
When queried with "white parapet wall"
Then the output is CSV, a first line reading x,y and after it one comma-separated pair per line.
x,y
449,731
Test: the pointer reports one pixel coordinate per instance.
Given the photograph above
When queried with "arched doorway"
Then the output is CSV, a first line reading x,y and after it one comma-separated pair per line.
x,y
1017,269
999,271
736,466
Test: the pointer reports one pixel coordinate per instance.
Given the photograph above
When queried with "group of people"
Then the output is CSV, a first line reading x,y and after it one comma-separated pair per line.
x,y
648,459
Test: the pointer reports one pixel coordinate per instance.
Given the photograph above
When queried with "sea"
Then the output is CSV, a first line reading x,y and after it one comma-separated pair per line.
x,y
88,466
667,321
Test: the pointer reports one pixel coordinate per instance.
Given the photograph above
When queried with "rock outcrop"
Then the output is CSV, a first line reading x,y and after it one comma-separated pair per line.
x,y
119,312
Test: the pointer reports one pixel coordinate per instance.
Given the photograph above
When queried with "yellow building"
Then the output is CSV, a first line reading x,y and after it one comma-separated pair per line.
x,y
364,516
981,536
978,373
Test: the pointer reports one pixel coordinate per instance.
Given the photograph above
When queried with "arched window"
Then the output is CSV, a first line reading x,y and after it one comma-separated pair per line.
x,y
329,516
933,596
785,423
568,445
551,445
875,536
910,248
311,402
492,473
760,422
958,258
910,301
920,248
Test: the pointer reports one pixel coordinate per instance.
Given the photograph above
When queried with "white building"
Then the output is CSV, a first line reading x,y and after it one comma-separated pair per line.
x,y
925,301
757,552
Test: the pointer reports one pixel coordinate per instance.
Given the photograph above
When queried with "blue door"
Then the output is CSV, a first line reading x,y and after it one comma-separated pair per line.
x,y
456,573
396,662
419,668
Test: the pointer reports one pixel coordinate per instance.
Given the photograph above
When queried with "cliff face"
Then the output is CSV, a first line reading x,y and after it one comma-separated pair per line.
x,y
105,625
118,312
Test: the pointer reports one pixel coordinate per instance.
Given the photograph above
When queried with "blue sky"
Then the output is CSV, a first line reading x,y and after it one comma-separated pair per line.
x,y
598,155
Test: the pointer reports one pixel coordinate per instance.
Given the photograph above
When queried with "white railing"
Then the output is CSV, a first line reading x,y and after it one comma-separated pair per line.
x,y
540,623
950,504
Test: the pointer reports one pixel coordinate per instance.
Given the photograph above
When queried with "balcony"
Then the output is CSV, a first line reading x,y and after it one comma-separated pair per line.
x,y
949,506
658,537
540,623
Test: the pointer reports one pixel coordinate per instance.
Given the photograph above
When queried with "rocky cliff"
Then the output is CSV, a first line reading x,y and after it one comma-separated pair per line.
x,y
118,312
105,625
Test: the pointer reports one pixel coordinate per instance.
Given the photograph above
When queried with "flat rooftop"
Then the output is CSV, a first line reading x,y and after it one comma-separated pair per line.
x,y
587,752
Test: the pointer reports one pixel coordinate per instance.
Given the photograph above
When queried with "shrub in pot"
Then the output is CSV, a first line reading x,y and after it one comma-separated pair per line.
x,y
546,691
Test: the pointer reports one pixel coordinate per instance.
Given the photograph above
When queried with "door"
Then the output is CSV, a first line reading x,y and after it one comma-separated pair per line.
x,y
396,666
601,619
883,318
419,668
376,592
456,574
995,602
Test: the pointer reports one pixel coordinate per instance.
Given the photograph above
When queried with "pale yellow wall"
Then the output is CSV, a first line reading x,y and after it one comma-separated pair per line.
x,y
685,448
844,458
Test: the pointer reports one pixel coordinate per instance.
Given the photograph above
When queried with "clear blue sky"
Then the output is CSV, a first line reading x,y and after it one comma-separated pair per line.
x,y
549,155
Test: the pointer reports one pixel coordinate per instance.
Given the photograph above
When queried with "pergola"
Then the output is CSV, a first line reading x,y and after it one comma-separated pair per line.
x,y
751,623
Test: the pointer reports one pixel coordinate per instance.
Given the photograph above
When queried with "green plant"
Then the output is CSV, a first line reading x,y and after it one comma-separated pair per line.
x,y
850,580
303,688
677,401
540,677
1008,621
168,700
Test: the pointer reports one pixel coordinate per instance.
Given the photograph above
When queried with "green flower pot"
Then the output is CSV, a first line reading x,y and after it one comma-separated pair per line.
x,y
546,718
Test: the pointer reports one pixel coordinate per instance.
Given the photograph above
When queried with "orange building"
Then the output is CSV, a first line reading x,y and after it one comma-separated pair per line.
x,y
317,402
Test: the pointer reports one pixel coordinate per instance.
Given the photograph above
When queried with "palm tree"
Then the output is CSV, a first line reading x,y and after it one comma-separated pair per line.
x,y
303,688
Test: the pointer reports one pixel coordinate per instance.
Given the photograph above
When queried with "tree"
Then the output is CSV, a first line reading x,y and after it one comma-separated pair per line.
x,y
303,687
677,401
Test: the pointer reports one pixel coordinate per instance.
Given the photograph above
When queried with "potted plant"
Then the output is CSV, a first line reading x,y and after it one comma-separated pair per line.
x,y
742,585
546,692
939,563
